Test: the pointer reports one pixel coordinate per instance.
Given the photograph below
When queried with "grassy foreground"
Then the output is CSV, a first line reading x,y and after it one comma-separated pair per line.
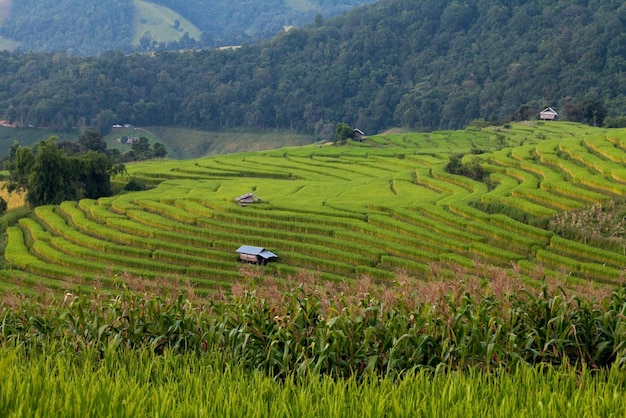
x,y
136,384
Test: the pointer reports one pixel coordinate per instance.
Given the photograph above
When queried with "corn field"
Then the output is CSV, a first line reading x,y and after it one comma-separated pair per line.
x,y
309,348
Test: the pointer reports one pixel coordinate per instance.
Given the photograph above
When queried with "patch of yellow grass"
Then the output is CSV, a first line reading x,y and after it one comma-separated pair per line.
x,y
14,200
159,21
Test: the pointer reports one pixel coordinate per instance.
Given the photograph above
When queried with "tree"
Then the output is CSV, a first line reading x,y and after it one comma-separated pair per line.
x,y
471,169
457,16
94,175
570,111
135,185
158,150
19,163
141,148
49,176
455,164
92,140
592,112
525,112
104,120
343,133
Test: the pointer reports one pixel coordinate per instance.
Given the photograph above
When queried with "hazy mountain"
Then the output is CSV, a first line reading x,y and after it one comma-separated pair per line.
x,y
95,26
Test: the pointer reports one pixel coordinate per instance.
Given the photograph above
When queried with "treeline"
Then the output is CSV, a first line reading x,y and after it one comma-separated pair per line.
x,y
419,65
50,174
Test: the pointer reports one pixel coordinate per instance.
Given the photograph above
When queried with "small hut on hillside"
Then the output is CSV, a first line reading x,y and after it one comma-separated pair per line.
x,y
247,199
358,135
548,114
255,255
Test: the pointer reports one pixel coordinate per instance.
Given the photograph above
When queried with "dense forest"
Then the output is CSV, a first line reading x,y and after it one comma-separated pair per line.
x,y
421,65
242,21
79,26
95,26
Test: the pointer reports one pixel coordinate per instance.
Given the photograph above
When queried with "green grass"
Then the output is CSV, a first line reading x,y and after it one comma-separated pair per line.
x,y
159,21
141,384
187,144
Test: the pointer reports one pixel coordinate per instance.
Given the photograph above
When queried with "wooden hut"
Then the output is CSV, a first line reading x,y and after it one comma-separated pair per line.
x,y
255,255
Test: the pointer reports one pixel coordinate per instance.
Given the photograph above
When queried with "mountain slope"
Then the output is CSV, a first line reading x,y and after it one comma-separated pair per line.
x,y
95,26
420,65
82,26
153,24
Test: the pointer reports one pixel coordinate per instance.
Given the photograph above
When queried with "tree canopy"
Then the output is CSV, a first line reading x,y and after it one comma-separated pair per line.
x,y
343,133
91,27
49,174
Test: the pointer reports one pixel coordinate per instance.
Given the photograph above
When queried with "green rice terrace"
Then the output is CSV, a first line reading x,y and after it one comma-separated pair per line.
x,y
382,208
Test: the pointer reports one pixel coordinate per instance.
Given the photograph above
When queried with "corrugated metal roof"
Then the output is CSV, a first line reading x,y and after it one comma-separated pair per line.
x,y
248,197
268,254
249,249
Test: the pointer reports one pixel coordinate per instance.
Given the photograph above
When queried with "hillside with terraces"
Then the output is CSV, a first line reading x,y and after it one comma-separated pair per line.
x,y
384,208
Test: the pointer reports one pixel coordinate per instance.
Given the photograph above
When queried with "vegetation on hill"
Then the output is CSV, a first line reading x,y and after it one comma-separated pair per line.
x,y
75,26
90,27
50,173
419,65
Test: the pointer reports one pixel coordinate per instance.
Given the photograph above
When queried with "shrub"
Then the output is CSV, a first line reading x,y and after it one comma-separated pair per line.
x,y
135,185
471,169
615,122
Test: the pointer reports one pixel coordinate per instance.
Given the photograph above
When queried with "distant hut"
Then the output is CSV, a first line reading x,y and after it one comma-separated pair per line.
x,y
247,199
255,255
548,114
358,135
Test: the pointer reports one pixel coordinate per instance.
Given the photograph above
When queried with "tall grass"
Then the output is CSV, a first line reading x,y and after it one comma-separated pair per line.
x,y
140,383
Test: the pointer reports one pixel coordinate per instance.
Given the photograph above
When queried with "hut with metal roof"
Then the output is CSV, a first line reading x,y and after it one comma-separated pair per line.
x,y
255,255
548,114
247,199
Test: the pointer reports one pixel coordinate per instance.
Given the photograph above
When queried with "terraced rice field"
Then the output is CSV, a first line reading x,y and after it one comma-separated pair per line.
x,y
379,208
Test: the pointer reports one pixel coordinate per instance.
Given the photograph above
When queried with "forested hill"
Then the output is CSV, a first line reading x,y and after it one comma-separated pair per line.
x,y
417,64
95,26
